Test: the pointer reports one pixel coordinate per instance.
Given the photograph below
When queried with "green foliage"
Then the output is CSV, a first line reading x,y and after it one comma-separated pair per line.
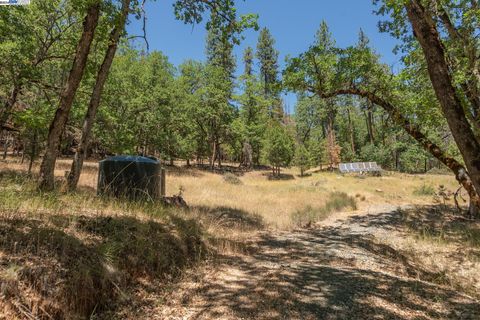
x,y
197,109
279,146
302,158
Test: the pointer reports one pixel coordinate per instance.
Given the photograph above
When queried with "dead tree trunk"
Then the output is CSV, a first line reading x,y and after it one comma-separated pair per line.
x,y
47,168
440,76
102,76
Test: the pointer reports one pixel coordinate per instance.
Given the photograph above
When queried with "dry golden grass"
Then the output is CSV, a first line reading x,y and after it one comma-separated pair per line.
x,y
443,242
276,200
132,249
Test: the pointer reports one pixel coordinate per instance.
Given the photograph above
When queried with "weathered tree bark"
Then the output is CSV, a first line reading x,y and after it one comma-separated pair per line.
x,y
102,76
467,50
47,168
457,168
434,52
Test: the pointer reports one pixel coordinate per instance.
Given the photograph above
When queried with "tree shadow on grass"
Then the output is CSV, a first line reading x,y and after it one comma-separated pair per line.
x,y
236,170
231,217
67,266
183,171
281,177
439,222
305,175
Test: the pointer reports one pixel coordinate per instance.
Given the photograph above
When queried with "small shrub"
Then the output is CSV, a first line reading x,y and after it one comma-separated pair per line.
x,y
305,216
231,179
339,201
336,202
424,190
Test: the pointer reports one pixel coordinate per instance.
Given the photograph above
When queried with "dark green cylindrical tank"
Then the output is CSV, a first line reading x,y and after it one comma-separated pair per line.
x,y
132,177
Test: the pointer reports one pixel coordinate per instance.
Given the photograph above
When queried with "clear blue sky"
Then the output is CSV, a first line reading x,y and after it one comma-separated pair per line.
x,y
292,23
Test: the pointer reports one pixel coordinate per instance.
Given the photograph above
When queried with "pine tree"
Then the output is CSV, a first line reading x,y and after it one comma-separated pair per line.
x,y
279,147
252,120
248,61
302,158
219,51
268,59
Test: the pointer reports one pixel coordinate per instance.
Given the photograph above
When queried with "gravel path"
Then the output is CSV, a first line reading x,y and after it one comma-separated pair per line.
x,y
337,270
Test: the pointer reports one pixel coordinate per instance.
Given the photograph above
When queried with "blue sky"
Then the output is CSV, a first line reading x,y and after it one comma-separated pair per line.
x,y
292,23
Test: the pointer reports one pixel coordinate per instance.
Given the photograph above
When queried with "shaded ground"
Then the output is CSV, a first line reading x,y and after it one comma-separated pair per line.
x,y
72,267
336,271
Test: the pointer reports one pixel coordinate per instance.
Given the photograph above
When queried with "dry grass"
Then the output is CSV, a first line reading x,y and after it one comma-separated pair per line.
x,y
443,242
337,201
73,255
276,200
70,256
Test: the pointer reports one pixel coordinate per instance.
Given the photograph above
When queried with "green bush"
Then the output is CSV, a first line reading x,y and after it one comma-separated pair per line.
x,y
339,201
424,190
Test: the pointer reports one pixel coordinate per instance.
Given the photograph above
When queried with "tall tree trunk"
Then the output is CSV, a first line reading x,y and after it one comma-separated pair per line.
x,y
33,151
102,76
369,122
214,154
47,168
332,140
219,155
429,39
468,51
457,168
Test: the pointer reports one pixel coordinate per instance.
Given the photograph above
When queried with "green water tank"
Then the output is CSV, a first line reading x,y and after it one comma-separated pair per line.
x,y
131,177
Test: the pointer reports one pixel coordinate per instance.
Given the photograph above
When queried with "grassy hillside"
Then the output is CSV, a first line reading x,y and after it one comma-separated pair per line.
x,y
80,256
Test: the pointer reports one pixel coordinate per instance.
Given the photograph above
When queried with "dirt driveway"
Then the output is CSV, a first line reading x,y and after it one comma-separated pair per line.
x,y
339,270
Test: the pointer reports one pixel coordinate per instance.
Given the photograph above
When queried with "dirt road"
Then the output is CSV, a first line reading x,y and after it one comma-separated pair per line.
x,y
338,270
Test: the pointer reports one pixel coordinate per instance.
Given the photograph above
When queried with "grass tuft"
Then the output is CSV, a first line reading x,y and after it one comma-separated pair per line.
x,y
232,179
